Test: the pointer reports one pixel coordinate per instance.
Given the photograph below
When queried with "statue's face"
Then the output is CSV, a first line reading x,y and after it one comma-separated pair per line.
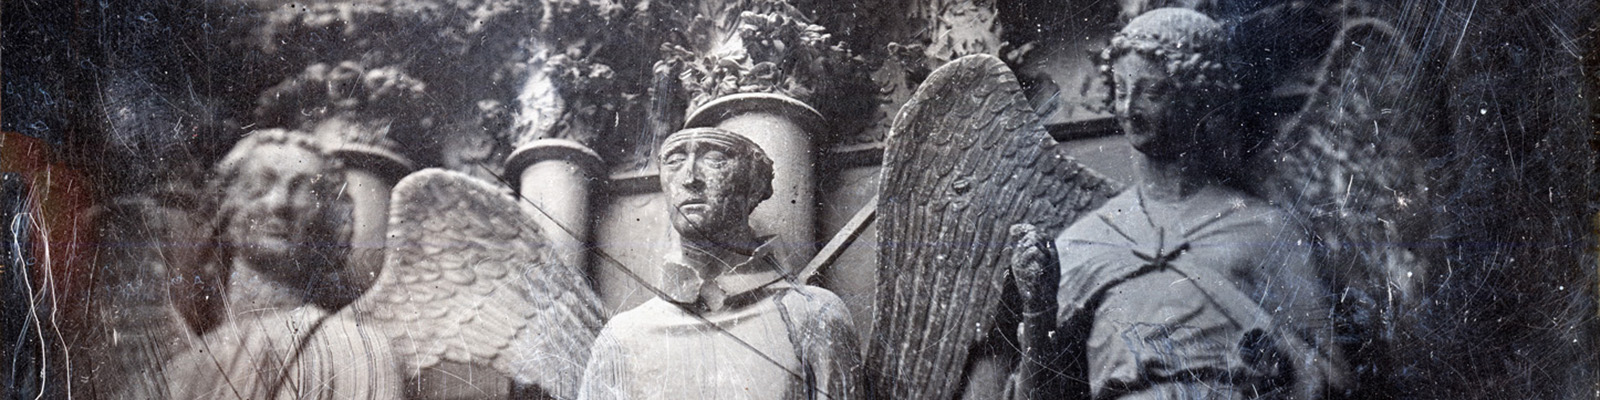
x,y
1148,107
707,189
276,202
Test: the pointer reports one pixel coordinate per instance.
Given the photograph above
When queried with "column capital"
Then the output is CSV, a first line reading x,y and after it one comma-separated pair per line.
x,y
382,162
553,149
723,108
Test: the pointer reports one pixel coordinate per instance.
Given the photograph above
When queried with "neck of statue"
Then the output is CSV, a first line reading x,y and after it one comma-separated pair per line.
x,y
716,255
250,289
1174,179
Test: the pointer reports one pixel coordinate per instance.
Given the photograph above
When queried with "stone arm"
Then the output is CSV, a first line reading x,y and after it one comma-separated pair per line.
x,y
833,352
602,377
1036,271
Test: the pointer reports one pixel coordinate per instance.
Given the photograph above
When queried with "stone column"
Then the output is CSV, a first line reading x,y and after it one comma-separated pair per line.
x,y
558,176
784,128
370,175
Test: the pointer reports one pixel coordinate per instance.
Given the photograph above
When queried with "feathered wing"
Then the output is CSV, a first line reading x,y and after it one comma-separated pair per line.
x,y
967,157
1348,162
469,278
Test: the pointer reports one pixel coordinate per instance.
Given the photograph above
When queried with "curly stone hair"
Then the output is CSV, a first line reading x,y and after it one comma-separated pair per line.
x,y
329,229
1189,44
350,90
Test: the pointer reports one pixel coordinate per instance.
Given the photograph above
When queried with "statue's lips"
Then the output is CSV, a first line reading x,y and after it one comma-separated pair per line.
x,y
270,239
695,207
1138,121
274,229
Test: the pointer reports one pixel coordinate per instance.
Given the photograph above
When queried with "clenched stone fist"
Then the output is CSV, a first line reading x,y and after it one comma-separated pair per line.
x,y
1034,266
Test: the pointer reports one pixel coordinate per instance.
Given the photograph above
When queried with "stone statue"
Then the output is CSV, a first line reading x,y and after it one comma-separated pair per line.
x,y
469,284
280,239
1183,286
463,282
729,320
966,159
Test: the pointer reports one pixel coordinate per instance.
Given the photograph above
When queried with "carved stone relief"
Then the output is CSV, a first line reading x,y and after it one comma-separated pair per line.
x,y
559,199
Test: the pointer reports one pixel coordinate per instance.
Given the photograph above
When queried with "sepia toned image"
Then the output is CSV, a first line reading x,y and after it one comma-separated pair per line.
x,y
799,199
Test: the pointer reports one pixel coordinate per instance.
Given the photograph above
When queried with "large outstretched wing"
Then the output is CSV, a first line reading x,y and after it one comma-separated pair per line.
x,y
469,278
966,159
1348,162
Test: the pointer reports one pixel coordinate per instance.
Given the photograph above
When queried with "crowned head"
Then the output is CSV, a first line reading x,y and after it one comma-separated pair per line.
x,y
713,179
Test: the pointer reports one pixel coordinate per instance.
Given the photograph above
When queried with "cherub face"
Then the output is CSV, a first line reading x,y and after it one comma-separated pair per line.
x,y
707,189
277,204
1147,107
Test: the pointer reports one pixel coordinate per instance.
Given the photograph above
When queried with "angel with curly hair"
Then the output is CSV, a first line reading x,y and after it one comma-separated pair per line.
x,y
1184,286
280,241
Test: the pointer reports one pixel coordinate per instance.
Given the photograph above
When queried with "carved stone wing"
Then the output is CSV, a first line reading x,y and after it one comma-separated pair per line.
x,y
1348,161
1348,164
469,278
966,159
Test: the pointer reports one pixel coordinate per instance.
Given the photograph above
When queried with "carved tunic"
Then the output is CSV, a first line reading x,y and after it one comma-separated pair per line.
x,y
797,340
1180,300
253,357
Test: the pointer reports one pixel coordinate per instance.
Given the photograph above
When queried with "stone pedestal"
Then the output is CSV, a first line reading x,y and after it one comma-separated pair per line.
x,y
370,175
783,127
559,175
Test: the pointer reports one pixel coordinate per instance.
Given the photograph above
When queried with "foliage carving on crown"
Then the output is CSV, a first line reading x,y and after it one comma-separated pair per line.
x,y
571,89
379,107
506,71
758,46
919,36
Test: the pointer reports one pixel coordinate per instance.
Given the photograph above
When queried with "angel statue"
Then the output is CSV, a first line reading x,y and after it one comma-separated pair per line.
x,y
469,283
1008,270
1185,285
730,321
278,244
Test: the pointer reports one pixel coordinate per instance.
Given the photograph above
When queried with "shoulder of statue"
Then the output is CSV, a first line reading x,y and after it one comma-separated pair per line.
x,y
641,315
1094,226
1244,214
815,304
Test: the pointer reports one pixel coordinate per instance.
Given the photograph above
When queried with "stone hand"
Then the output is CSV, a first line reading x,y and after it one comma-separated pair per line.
x,y
1034,266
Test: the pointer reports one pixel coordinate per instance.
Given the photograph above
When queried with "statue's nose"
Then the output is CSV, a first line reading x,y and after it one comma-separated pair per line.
x,y
1124,105
693,181
690,177
276,200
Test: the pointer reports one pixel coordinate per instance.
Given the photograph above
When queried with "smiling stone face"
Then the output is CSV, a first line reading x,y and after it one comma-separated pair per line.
x,y
712,180
277,201
1144,105
1160,120
1169,84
